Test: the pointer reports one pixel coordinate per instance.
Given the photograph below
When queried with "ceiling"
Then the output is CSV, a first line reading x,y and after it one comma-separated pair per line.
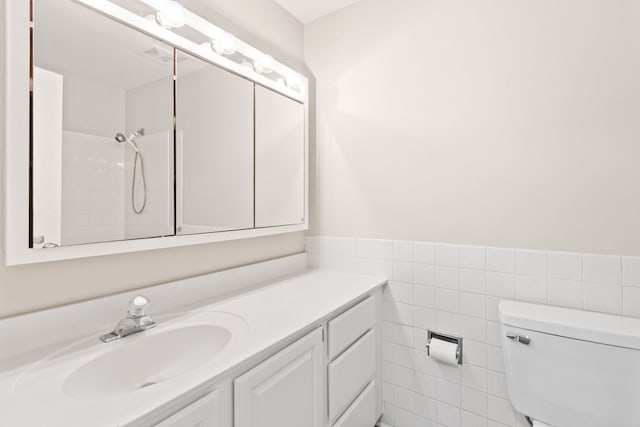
x,y
310,10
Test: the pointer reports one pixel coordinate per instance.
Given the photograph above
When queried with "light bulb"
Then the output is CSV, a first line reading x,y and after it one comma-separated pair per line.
x,y
294,81
224,44
263,64
171,15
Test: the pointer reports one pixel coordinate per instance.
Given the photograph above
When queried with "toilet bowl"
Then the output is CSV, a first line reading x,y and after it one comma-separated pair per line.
x,y
571,368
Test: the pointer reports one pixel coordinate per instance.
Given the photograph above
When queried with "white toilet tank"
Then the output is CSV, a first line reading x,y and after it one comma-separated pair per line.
x,y
578,369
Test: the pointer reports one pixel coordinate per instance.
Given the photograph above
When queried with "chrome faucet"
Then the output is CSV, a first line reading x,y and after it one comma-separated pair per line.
x,y
135,321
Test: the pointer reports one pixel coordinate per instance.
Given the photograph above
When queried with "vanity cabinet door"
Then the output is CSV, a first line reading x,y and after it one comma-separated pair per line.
x,y
285,390
279,159
204,412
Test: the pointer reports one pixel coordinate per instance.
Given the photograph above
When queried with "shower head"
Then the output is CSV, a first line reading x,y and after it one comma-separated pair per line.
x,y
131,140
121,138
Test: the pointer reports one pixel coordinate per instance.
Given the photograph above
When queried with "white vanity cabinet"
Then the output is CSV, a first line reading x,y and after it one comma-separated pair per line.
x,y
329,377
302,350
204,412
285,390
353,366
288,390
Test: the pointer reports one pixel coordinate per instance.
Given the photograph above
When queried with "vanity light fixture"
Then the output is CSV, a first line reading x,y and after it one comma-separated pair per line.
x,y
263,64
171,15
294,81
224,44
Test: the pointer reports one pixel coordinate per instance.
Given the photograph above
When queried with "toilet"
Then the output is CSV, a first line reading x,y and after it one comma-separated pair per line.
x,y
571,368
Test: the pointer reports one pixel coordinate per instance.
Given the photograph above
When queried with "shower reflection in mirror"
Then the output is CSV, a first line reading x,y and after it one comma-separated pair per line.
x,y
131,140
93,79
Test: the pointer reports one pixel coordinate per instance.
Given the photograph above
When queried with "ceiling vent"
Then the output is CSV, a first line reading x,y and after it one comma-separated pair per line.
x,y
162,55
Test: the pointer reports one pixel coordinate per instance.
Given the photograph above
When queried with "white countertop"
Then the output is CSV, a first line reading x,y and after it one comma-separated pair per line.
x,y
31,395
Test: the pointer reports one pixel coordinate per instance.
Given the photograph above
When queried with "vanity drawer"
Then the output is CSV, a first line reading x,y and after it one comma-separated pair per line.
x,y
351,325
362,413
351,372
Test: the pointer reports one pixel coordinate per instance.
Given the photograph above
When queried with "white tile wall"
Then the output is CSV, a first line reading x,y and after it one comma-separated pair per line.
x,y
157,217
96,178
457,289
93,183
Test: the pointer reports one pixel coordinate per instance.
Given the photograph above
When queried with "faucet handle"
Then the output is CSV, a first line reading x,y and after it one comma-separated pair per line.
x,y
138,306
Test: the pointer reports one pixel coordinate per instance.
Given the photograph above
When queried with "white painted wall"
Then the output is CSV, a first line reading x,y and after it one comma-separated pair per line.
x,y
494,123
92,107
31,287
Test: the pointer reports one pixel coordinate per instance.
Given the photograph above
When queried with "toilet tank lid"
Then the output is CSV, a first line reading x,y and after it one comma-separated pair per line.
x,y
600,328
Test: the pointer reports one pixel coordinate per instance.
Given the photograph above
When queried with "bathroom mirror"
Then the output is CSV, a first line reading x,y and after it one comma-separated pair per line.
x,y
131,135
214,149
102,132
280,175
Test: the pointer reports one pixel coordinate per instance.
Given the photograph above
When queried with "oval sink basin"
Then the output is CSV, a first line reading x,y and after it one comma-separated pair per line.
x,y
145,359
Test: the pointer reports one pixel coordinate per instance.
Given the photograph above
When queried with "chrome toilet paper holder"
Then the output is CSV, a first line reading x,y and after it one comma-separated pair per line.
x,y
446,337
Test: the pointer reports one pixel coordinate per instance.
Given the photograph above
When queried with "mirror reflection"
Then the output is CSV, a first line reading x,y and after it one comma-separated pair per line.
x,y
214,149
132,138
279,152
102,135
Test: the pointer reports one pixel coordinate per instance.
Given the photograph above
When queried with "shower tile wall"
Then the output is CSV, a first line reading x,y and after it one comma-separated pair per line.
x,y
93,181
149,106
96,178
456,289
157,217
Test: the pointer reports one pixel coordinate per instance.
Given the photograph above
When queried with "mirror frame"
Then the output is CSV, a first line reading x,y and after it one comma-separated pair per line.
x,y
17,85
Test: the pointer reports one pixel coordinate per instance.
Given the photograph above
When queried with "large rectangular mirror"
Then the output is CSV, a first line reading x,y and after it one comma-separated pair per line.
x,y
102,138
141,136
